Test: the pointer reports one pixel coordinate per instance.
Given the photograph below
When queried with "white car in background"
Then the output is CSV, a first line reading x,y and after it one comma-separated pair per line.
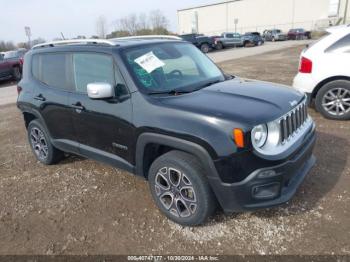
x,y
324,73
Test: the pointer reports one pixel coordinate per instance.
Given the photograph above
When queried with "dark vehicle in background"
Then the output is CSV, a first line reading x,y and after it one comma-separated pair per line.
x,y
274,35
204,43
299,34
252,39
162,110
228,40
11,64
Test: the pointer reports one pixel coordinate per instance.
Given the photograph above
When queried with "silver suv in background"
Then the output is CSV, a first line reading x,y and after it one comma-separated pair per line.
x,y
274,35
228,40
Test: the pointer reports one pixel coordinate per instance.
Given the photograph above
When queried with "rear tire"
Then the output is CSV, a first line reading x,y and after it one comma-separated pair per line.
x,y
180,188
17,75
41,145
333,100
219,46
205,48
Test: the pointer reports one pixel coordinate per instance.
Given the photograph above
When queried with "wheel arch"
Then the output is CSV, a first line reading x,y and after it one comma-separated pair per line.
x,y
326,81
30,115
245,42
220,42
145,157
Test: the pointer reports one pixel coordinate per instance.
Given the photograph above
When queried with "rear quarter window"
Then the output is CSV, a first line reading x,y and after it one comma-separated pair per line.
x,y
342,45
53,69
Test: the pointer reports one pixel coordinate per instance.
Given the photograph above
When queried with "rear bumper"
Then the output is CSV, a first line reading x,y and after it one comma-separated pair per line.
x,y
304,83
269,186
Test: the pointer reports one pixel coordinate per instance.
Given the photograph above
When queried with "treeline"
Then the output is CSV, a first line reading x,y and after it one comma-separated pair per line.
x,y
7,46
153,23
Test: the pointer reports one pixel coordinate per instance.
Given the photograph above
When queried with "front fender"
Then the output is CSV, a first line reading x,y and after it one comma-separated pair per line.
x,y
177,143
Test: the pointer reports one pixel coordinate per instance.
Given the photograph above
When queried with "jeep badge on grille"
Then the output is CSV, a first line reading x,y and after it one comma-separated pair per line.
x,y
293,103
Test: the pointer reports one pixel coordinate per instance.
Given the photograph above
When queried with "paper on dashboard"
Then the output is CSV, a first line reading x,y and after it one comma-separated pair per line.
x,y
149,62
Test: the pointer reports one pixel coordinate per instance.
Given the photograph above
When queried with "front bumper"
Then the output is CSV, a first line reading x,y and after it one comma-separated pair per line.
x,y
268,186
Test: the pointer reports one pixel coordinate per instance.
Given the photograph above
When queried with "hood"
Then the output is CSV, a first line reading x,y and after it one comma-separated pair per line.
x,y
245,101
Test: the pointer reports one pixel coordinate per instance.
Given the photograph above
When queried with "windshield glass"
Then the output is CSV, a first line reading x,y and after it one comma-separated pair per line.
x,y
10,54
166,67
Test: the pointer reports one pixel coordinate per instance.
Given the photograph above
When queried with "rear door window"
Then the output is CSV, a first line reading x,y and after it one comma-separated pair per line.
x,y
53,69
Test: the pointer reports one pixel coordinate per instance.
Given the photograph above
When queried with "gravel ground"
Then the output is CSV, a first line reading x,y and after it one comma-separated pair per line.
x,y
236,53
84,207
8,92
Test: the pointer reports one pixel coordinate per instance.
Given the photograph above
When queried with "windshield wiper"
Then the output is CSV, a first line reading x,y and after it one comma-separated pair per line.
x,y
170,92
181,91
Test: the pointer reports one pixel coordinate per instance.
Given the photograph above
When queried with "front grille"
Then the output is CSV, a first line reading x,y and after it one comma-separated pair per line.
x,y
291,123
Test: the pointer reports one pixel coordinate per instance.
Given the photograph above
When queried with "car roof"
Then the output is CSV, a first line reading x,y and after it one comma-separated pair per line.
x,y
338,28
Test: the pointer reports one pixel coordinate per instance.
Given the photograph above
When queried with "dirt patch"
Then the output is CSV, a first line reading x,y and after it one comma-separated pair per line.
x,y
83,207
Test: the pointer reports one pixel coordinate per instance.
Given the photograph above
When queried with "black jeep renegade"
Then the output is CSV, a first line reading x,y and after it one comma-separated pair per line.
x,y
162,110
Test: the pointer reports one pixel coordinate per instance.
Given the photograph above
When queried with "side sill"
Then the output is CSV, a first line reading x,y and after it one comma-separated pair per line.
x,y
93,153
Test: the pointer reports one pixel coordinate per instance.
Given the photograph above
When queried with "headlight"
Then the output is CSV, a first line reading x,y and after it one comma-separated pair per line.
x,y
259,136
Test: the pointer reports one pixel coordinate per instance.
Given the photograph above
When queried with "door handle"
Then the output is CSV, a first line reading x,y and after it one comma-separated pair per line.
x,y
78,106
40,97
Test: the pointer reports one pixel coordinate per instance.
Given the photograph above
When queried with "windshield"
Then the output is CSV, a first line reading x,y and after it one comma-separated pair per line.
x,y
166,67
10,54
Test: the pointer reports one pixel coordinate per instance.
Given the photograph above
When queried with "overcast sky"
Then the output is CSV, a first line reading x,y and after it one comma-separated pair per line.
x,y
77,17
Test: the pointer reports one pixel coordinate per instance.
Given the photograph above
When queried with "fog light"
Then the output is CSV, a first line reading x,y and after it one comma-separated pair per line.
x,y
266,173
266,191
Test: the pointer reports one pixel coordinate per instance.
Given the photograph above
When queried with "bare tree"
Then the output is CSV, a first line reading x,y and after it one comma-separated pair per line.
x,y
38,41
23,45
6,46
101,26
128,23
142,22
158,21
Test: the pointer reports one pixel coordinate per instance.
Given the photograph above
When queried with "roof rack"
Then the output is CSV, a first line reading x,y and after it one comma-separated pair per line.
x,y
171,37
75,41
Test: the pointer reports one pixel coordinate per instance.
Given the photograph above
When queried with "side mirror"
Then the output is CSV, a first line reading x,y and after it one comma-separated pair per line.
x,y
100,90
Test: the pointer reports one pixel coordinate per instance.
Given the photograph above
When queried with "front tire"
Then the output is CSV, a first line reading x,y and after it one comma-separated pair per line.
x,y
41,145
333,100
180,188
